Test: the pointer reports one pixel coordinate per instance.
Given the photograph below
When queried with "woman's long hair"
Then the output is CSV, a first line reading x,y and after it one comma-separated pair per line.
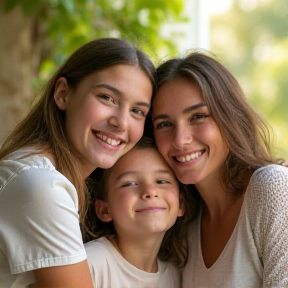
x,y
247,134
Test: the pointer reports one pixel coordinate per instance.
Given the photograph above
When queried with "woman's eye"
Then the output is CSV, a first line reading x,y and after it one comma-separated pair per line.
x,y
199,117
163,125
138,112
107,98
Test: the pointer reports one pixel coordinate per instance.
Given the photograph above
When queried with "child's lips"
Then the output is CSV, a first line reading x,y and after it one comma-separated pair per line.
x,y
151,209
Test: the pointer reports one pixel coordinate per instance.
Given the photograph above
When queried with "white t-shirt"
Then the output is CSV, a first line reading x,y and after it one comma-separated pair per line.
x,y
39,222
110,270
256,254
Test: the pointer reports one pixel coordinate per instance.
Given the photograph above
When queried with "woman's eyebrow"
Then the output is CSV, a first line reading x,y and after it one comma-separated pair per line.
x,y
193,107
186,110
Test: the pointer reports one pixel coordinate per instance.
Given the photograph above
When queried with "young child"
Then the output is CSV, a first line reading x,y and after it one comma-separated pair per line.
x,y
136,202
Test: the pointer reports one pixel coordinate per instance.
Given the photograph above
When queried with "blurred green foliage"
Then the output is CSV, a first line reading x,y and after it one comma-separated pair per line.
x,y
68,24
252,42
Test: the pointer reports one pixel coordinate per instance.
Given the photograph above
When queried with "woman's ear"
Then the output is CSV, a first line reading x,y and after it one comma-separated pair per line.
x,y
102,211
61,93
181,210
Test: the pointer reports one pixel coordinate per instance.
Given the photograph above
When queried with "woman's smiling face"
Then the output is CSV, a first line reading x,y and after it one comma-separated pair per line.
x,y
186,133
105,114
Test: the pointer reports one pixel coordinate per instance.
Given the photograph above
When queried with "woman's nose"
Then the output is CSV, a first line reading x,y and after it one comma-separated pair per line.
x,y
182,137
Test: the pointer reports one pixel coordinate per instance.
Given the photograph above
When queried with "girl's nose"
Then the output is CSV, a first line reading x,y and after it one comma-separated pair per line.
x,y
120,121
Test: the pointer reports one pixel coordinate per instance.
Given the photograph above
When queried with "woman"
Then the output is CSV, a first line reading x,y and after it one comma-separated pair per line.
x,y
212,138
89,114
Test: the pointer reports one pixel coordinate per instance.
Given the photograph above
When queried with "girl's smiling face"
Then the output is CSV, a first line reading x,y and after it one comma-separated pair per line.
x,y
105,114
186,133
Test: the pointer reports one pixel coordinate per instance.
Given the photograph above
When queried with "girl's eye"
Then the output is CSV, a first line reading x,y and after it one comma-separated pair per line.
x,y
138,112
163,124
130,184
107,98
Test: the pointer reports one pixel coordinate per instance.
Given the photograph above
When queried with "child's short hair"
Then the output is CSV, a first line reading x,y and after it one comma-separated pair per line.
x,y
174,246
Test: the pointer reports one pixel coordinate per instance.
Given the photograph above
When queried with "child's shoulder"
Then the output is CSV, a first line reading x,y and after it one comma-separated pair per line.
x,y
98,246
99,252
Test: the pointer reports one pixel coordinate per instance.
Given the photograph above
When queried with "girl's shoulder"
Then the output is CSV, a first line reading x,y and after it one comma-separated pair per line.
x,y
24,160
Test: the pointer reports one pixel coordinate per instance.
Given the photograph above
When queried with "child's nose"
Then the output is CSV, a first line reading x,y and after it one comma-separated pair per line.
x,y
149,191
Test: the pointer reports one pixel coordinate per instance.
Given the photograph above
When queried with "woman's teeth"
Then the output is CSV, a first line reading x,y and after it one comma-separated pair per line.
x,y
189,157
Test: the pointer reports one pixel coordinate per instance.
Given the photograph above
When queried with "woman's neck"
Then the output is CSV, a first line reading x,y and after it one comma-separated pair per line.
x,y
140,251
217,200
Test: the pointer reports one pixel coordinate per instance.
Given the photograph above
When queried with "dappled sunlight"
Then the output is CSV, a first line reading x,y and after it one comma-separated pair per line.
x,y
219,6
251,41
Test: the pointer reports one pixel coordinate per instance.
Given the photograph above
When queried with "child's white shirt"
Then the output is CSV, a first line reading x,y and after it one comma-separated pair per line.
x,y
109,269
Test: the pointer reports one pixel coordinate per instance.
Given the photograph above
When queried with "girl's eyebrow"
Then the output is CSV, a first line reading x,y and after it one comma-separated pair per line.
x,y
186,110
119,93
109,87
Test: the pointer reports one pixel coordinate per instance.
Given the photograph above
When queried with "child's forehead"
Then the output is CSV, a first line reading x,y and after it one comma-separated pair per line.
x,y
140,158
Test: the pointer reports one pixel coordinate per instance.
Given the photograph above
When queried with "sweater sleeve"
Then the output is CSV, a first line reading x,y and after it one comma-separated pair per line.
x,y
268,213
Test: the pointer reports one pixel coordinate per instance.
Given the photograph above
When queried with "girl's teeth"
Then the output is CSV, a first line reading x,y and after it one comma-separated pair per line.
x,y
114,142
108,140
189,157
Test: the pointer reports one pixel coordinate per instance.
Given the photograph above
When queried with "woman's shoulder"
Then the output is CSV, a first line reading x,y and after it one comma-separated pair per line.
x,y
268,186
269,175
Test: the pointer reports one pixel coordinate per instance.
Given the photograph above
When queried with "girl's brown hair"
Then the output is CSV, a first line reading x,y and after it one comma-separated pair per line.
x,y
174,246
44,127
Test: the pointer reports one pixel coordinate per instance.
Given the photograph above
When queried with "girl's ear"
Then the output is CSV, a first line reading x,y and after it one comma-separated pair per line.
x,y
61,93
102,211
181,210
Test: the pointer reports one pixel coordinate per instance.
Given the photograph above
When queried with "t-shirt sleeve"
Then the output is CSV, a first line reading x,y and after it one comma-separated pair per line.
x,y
268,206
39,221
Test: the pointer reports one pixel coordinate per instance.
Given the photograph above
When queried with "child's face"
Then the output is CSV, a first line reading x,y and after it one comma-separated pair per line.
x,y
143,194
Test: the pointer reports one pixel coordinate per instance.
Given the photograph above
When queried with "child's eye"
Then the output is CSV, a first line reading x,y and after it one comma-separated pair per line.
x,y
162,181
163,124
107,98
129,184
138,112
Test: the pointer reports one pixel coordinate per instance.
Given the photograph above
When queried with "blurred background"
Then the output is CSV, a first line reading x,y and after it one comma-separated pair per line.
x,y
250,37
